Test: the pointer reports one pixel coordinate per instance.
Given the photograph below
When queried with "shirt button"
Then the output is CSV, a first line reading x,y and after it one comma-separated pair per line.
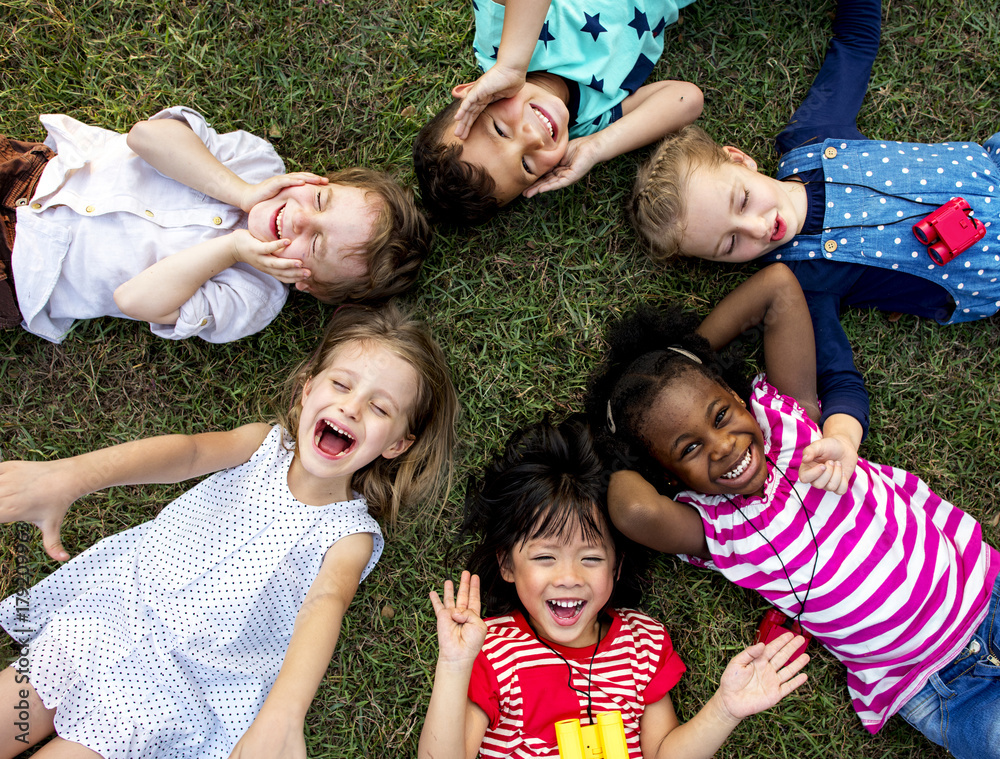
x,y
830,152
204,322
974,647
21,202
36,206
830,246
217,220
149,214
90,209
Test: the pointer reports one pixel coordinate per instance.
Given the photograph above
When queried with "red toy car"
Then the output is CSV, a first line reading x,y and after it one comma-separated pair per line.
x,y
949,230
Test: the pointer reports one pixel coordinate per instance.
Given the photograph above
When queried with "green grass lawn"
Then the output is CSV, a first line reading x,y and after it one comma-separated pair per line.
x,y
519,304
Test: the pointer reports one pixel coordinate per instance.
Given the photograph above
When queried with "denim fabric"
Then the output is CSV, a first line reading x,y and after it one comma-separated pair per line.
x,y
959,708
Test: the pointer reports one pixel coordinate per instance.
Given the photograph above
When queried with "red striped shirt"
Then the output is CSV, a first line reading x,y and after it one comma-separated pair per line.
x,y
522,685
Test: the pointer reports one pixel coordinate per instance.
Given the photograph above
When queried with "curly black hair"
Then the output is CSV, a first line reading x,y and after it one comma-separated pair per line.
x,y
643,358
549,479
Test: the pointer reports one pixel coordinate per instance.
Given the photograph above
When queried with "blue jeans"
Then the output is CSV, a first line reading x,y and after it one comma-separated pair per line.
x,y
959,708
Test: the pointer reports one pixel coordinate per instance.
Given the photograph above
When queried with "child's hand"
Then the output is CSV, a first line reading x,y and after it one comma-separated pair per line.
x,y
271,736
497,83
828,464
582,154
461,631
761,676
264,256
256,193
38,492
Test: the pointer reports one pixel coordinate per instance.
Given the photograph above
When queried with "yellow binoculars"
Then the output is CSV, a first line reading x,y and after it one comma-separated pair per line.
x,y
603,740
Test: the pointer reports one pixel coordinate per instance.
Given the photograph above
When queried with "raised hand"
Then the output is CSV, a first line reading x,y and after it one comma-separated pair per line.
x,y
40,493
497,83
461,631
829,463
761,675
264,256
582,154
256,193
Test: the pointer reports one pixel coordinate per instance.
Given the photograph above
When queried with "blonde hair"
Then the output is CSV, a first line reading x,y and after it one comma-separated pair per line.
x,y
422,473
657,207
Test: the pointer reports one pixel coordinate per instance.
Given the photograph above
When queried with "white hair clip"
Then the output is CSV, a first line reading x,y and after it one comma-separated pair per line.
x,y
686,354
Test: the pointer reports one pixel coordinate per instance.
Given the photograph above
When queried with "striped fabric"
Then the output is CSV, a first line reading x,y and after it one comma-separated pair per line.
x,y
902,576
522,685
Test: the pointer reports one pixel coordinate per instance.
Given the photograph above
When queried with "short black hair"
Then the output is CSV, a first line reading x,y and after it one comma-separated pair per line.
x,y
548,479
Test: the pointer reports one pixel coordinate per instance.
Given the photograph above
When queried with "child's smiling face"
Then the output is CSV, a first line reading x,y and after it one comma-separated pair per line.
x,y
354,410
563,582
734,214
517,140
328,225
701,432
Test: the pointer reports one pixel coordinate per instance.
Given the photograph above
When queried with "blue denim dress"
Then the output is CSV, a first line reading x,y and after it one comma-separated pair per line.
x,y
877,190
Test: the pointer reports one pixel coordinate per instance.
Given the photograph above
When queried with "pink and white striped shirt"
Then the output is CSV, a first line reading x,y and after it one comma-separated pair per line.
x,y
902,579
522,685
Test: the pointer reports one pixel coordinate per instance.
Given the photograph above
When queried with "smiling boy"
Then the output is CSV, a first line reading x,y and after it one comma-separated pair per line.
x,y
195,232
562,91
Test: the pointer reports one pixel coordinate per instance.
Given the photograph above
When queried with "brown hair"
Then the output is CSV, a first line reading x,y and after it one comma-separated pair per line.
x,y
454,191
423,472
658,196
401,240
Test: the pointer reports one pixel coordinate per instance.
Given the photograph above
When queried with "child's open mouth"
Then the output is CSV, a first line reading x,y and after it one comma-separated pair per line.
x,y
779,229
567,611
332,440
276,222
546,121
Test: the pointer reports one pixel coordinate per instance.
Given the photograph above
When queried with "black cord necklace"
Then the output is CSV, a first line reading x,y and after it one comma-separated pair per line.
x,y
802,601
826,228
590,670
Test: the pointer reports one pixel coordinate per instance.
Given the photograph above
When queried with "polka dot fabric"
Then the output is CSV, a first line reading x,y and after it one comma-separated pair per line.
x,y
875,193
164,640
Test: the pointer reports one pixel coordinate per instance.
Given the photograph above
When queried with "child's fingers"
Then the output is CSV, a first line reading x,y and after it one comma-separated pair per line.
x,y
449,594
436,602
793,684
51,540
462,601
474,599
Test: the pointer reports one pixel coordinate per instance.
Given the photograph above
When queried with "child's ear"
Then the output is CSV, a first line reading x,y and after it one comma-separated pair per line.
x,y
459,91
303,287
400,447
738,156
742,402
306,389
505,573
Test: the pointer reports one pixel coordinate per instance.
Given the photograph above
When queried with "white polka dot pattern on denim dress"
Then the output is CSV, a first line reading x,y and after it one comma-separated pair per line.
x,y
887,188
164,640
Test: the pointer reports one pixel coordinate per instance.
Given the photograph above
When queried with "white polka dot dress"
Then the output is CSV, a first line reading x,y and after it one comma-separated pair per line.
x,y
877,190
164,640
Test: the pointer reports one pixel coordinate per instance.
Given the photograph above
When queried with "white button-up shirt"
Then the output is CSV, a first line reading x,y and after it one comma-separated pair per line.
x,y
100,215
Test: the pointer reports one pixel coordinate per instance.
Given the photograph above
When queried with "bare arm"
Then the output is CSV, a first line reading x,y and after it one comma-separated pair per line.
x,y
461,633
173,149
522,22
156,294
654,520
755,679
772,301
277,731
41,492
648,114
